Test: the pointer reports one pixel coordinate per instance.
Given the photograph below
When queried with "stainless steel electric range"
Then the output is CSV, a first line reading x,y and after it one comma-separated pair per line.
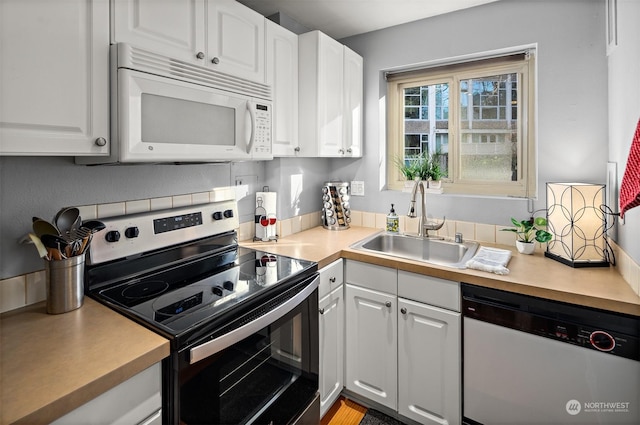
x,y
242,323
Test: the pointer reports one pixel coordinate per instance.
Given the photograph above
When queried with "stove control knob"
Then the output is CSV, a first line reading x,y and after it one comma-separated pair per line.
x,y
112,236
131,232
217,215
228,213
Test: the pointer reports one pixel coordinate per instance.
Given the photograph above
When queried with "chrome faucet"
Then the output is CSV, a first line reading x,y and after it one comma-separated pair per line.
x,y
423,225
419,184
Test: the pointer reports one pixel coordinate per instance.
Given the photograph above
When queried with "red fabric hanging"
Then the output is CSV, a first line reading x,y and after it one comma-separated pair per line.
x,y
630,187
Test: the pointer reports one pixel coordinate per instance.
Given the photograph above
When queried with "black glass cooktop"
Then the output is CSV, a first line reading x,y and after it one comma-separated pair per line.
x,y
181,297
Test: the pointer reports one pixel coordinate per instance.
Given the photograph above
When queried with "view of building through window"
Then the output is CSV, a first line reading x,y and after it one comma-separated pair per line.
x,y
487,125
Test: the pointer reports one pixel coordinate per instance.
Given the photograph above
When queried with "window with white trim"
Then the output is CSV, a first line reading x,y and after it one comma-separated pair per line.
x,y
477,116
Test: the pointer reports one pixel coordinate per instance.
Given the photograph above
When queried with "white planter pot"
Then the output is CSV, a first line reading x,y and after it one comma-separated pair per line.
x,y
525,247
435,184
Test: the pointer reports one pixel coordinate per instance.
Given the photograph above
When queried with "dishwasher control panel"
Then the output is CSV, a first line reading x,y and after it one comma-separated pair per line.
x,y
590,328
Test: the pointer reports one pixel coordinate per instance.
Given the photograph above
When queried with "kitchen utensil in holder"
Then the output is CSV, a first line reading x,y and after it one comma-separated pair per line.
x,y
336,212
65,284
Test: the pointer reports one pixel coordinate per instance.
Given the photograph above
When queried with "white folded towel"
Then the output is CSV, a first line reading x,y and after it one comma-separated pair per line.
x,y
492,260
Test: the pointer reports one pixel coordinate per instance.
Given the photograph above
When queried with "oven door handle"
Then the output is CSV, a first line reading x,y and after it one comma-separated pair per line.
x,y
214,346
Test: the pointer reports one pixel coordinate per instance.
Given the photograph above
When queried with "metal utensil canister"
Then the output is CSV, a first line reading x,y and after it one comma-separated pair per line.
x,y
336,211
65,284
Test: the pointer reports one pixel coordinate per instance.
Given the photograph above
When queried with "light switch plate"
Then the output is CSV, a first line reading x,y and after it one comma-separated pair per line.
x,y
357,188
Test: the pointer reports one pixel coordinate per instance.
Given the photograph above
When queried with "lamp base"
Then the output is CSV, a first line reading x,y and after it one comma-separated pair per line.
x,y
576,264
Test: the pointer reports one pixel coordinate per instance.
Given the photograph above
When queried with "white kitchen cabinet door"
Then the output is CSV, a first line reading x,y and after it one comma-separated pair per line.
x,y
331,326
429,378
282,76
330,97
174,28
353,95
371,344
236,40
54,77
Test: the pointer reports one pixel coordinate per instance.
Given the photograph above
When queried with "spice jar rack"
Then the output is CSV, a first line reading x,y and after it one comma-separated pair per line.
x,y
336,212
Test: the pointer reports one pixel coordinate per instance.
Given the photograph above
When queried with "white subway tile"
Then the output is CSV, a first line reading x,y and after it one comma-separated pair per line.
x,y
381,221
485,233
161,203
36,287
200,198
467,229
368,219
356,218
111,210
141,205
12,293
285,228
88,212
181,201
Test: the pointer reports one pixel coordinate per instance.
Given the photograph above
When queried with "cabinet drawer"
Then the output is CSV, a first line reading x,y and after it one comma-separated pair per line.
x,y
373,277
430,290
331,277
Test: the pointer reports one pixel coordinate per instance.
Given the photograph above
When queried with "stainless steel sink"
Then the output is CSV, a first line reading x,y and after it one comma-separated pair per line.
x,y
429,250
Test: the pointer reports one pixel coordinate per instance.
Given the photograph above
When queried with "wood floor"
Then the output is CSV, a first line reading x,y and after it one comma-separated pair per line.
x,y
344,412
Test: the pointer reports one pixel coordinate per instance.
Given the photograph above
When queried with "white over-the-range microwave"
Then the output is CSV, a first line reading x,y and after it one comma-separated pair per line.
x,y
165,110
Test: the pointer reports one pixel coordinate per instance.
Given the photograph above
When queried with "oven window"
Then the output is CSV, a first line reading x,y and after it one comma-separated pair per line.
x,y
171,120
266,377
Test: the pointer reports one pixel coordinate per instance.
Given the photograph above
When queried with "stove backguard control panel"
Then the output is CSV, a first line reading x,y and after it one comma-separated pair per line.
x,y
134,234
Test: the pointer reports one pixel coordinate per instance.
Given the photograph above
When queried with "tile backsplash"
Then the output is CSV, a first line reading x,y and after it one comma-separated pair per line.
x,y
29,289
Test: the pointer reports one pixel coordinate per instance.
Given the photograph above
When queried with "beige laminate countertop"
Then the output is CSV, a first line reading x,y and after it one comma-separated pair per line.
x,y
534,275
52,364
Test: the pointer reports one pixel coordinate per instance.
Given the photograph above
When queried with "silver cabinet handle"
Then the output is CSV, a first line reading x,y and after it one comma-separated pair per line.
x,y
341,151
215,60
101,141
403,310
349,150
200,55
388,304
321,311
296,149
332,279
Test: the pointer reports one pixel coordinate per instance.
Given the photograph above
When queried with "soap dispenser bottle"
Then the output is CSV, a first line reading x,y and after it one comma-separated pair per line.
x,y
392,221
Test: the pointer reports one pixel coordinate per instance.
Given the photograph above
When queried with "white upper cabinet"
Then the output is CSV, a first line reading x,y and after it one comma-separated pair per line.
x,y
282,76
236,40
330,97
223,35
353,94
174,28
54,77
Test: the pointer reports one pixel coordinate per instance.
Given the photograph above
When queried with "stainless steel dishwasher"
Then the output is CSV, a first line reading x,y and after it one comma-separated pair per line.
x,y
528,360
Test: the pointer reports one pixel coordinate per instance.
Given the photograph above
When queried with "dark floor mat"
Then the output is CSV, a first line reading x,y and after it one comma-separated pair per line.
x,y
373,417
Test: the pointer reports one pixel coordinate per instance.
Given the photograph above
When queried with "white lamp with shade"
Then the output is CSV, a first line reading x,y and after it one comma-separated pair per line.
x,y
576,219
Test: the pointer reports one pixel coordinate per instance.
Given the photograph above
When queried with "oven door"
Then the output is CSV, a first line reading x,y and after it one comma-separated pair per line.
x,y
263,371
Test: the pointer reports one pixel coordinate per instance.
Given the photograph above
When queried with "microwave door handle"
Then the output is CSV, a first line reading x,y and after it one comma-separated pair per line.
x,y
252,127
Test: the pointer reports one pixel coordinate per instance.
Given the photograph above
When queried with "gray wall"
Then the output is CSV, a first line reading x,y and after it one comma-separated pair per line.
x,y
572,94
40,186
624,109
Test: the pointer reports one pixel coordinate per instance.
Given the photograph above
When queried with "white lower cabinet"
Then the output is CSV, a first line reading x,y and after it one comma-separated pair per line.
x,y
331,332
372,345
428,363
137,400
403,342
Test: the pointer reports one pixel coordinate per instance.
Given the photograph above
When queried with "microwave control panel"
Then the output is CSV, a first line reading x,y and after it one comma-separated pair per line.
x,y
262,137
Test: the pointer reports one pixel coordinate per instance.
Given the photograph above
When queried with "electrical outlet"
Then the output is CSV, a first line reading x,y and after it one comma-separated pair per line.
x,y
357,188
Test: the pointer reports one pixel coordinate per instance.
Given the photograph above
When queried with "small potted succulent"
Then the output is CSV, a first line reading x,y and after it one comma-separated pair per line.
x,y
528,232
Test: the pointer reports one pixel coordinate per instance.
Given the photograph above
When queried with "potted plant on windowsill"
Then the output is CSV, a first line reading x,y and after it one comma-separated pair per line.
x,y
528,232
435,172
411,169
